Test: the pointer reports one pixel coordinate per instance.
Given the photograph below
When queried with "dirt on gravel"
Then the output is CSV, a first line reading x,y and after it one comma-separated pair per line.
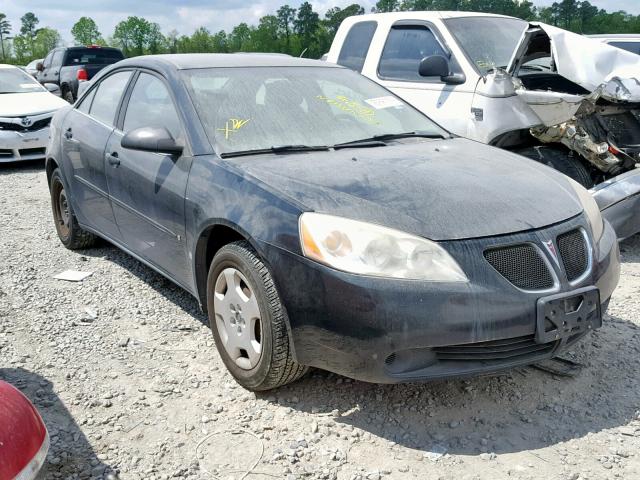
x,y
124,370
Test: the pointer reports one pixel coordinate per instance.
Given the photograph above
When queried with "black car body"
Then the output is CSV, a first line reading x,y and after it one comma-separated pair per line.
x,y
531,264
67,67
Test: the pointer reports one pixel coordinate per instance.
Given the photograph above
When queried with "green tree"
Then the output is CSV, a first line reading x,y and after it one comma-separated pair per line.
x,y
306,27
286,15
240,37
172,41
85,32
46,40
335,16
386,6
5,29
155,39
132,35
28,29
266,37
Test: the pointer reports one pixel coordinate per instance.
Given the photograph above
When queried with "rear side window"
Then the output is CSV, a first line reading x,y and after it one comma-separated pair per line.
x,y
633,47
356,45
107,97
406,46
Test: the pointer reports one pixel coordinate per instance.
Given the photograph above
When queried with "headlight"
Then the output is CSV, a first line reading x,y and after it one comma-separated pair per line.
x,y
367,249
590,209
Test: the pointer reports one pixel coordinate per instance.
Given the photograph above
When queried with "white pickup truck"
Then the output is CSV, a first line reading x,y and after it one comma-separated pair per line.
x,y
557,97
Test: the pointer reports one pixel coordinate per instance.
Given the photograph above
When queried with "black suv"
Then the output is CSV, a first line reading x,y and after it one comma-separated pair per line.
x,y
67,67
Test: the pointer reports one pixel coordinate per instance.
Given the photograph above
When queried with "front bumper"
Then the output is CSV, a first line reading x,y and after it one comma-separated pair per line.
x,y
388,331
29,145
619,202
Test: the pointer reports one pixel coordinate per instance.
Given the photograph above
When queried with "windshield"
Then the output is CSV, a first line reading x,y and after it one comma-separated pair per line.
x,y
92,56
264,107
489,42
14,80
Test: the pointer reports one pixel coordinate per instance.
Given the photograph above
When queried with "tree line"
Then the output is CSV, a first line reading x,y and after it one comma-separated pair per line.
x,y
296,31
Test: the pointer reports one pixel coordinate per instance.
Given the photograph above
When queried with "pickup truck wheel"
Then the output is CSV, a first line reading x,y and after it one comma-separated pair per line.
x,y
248,320
68,96
562,161
71,235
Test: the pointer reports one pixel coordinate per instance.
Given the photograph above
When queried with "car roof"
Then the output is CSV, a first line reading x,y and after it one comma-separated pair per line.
x,y
4,65
425,15
185,61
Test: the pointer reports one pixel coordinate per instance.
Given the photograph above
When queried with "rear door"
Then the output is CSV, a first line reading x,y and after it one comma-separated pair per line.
x,y
86,131
147,189
51,72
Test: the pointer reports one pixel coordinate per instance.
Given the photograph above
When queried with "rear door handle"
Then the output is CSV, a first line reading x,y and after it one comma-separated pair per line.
x,y
113,159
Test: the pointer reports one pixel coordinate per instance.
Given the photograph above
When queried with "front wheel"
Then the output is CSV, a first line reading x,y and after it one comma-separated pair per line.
x,y
69,231
248,320
562,160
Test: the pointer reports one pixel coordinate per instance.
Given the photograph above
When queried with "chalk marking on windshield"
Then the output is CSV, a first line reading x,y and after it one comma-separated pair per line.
x,y
359,111
232,125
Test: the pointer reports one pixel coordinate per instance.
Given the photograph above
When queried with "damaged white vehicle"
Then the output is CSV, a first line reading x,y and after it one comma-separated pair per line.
x,y
557,97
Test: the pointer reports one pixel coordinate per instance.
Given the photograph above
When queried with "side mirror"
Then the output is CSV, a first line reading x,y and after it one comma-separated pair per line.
x,y
53,88
151,139
40,66
438,66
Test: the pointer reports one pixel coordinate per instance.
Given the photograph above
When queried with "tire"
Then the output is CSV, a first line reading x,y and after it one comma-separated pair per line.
x,y
68,96
232,327
71,235
561,160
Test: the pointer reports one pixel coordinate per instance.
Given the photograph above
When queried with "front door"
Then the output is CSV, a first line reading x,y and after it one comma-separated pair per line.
x,y
147,189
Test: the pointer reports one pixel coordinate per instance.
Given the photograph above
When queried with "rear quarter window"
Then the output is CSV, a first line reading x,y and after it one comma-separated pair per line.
x,y
633,47
356,45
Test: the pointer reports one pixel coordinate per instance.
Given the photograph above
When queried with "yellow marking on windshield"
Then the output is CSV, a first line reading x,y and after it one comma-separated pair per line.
x,y
361,112
232,125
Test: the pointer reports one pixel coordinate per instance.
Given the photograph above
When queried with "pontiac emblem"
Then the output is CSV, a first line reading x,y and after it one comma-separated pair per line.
x,y
551,249
26,122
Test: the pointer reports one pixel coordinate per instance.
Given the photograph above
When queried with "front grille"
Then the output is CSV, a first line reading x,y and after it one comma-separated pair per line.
x,y
17,127
522,265
574,254
517,348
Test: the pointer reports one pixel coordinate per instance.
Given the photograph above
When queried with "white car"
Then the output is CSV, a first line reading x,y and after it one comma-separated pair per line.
x,y
32,67
26,108
626,41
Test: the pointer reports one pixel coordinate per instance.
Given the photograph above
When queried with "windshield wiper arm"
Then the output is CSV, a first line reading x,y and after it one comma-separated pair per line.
x,y
276,149
378,140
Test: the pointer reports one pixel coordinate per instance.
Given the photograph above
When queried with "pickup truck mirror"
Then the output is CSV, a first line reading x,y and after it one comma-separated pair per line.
x,y
151,139
438,66
40,66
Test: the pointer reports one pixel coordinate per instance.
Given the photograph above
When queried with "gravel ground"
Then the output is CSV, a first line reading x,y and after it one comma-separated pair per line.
x,y
125,373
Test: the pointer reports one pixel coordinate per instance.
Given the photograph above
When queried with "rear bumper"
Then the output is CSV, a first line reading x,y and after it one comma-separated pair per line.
x,y
16,146
389,331
619,202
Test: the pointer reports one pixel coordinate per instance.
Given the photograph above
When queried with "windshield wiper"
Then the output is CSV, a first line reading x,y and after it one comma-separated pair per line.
x,y
378,140
276,149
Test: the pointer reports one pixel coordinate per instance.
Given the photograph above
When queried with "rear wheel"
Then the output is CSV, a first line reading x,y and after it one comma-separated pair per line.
x,y
70,233
248,320
562,160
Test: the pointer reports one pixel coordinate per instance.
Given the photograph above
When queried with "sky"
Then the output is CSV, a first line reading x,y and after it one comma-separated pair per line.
x,y
187,15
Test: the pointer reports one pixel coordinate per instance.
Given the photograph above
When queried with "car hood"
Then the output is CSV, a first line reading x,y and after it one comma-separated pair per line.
x,y
442,190
32,103
604,70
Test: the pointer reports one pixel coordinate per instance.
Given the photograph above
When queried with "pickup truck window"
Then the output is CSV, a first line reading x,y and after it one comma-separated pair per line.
x,y
488,42
150,105
92,56
57,58
406,46
107,97
47,60
356,45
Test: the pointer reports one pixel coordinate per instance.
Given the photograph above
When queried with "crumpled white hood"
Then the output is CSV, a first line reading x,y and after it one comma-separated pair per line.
x,y
611,72
32,103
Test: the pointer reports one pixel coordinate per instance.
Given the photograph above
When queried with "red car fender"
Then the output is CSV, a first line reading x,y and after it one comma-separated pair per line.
x,y
24,440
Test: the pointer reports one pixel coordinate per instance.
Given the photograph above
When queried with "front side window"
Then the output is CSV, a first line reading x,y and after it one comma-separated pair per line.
x,y
14,80
263,107
489,42
85,104
150,105
633,47
57,58
356,45
107,97
406,46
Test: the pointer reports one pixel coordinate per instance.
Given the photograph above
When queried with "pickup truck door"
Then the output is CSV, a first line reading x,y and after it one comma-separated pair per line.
x,y
147,189
46,63
85,133
393,62
51,73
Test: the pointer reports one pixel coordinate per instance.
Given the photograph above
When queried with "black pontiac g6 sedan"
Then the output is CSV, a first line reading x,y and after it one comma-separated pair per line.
x,y
322,221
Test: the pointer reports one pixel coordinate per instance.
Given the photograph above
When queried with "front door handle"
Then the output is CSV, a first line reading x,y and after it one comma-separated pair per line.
x,y
113,159
68,134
